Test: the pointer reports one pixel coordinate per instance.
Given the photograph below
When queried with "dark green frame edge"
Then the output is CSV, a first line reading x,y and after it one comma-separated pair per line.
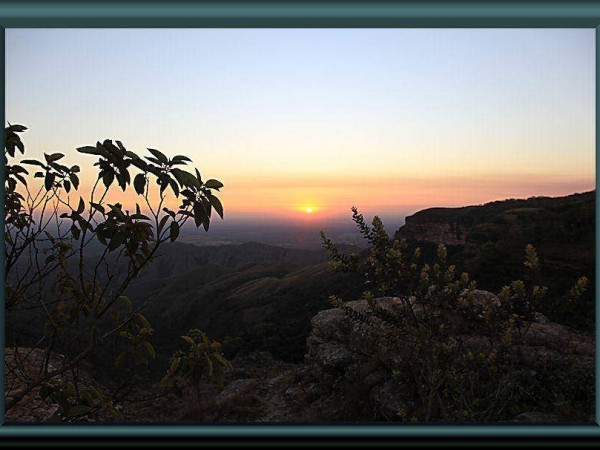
x,y
300,14
355,14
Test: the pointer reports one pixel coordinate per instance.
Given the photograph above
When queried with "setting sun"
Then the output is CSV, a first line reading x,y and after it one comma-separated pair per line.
x,y
307,208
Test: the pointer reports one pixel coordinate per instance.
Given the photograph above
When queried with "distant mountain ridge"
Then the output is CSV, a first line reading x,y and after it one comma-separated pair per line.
x,y
179,257
266,306
174,259
240,292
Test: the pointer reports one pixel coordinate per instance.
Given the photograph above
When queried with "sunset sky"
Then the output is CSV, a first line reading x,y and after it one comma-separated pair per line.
x,y
389,120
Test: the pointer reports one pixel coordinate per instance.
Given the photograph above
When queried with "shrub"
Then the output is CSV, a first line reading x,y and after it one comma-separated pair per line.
x,y
450,348
202,362
69,260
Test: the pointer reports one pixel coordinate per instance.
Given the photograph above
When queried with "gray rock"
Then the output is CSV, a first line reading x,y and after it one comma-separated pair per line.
x,y
540,318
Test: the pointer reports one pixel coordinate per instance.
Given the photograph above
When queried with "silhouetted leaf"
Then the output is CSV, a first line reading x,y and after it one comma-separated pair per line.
x,y
108,177
188,339
143,320
139,183
200,215
18,169
154,160
216,203
117,211
169,212
75,232
117,239
188,193
21,179
49,180
104,152
150,349
138,162
181,158
89,150
207,206
121,182
112,148
32,162
53,157
98,206
125,179
100,236
127,302
213,184
175,188
75,180
174,231
162,224
161,158
185,178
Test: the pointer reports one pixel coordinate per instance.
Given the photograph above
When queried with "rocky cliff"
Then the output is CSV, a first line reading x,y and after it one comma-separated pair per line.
x,y
421,230
488,242
545,219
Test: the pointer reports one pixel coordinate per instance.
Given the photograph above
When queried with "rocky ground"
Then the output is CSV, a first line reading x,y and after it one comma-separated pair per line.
x,y
22,363
324,388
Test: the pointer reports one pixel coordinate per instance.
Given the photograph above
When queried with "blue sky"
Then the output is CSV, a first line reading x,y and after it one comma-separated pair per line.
x,y
388,118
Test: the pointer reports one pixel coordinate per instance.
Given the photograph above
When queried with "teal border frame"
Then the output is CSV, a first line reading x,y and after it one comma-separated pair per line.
x,y
328,14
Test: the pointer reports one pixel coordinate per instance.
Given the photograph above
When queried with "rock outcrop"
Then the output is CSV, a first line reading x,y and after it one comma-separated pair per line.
x,y
343,356
345,378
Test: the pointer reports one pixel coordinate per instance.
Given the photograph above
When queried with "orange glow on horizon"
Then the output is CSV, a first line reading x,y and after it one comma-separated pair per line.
x,y
322,198
312,198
